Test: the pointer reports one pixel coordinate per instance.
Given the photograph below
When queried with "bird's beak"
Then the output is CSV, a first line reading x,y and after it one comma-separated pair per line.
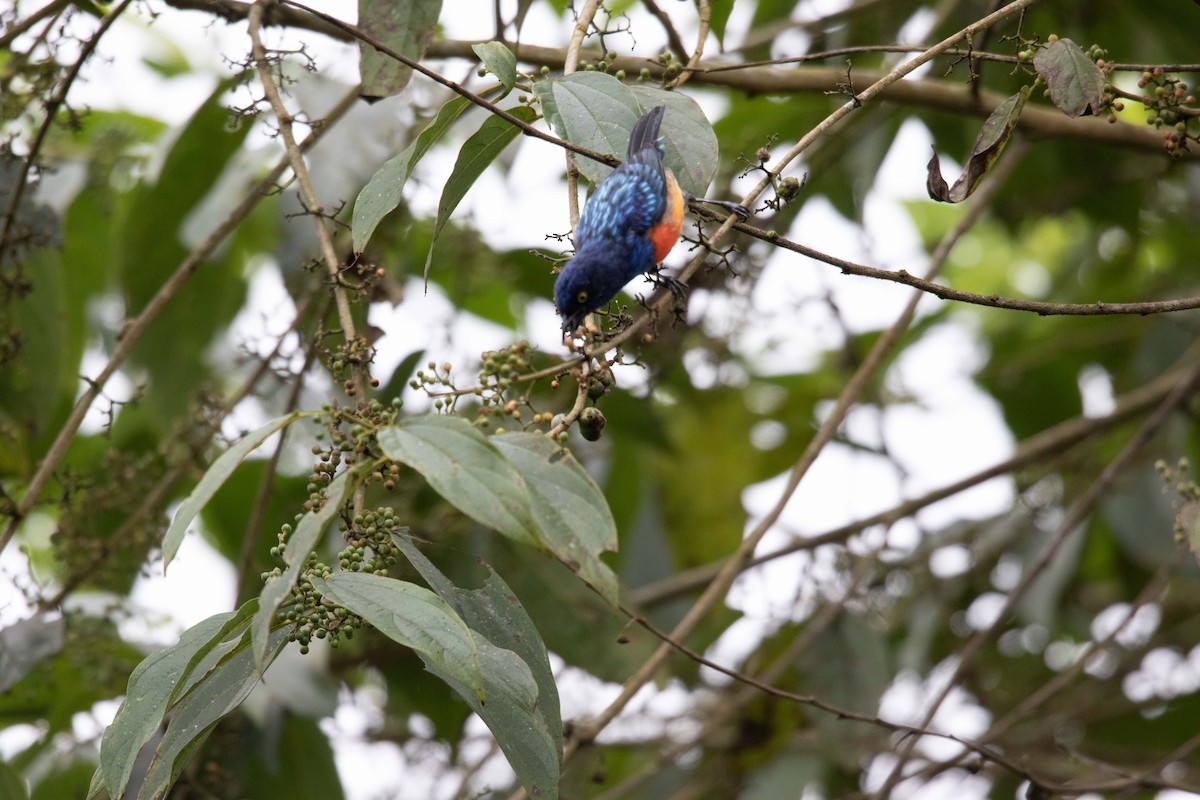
x,y
571,323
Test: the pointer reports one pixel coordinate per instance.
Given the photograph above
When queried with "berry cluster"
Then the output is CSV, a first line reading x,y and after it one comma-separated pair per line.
x,y
369,549
1164,100
1187,519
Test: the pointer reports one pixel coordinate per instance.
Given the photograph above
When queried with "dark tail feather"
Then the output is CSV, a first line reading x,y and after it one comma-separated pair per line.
x,y
645,131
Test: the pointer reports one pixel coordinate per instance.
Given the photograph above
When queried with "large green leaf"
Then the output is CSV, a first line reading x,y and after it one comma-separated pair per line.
x,y
151,686
416,618
597,111
1076,84
529,735
405,26
219,692
301,543
477,153
216,475
570,511
384,191
466,469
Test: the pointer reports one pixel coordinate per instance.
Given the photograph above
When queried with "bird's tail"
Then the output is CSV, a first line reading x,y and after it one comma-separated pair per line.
x,y
645,131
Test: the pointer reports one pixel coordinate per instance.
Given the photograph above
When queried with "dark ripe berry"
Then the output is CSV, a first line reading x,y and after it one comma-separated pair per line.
x,y
591,423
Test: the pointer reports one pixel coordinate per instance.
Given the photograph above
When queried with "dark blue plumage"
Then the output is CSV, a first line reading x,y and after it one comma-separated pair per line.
x,y
630,223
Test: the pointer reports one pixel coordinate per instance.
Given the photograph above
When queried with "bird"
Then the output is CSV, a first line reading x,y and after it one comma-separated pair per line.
x,y
629,225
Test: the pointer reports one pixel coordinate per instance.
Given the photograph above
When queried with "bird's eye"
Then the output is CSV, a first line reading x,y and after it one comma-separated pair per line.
x,y
581,298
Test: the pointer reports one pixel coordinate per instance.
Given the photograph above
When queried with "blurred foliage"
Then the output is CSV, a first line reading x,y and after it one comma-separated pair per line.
x,y
100,208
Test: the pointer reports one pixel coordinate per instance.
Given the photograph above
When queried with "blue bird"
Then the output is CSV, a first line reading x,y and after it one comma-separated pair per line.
x,y
629,225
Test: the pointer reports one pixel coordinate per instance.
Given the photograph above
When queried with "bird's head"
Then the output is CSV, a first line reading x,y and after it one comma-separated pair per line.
x,y
586,283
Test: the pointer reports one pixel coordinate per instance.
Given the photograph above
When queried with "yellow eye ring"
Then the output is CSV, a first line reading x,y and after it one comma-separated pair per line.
x,y
581,297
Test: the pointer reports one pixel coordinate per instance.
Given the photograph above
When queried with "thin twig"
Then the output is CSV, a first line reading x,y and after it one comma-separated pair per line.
x,y
21,26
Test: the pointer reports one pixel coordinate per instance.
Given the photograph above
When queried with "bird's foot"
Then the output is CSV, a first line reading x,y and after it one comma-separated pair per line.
x,y
661,279
733,208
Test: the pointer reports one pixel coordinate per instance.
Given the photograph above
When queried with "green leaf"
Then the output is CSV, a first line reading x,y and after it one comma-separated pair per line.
x,y
500,61
466,469
151,685
383,192
302,541
193,718
210,654
405,26
989,144
545,93
477,153
1076,83
720,10
570,511
530,736
216,475
416,618
595,111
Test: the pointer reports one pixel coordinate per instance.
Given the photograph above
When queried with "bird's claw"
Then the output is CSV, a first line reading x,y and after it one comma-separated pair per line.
x,y
737,209
659,278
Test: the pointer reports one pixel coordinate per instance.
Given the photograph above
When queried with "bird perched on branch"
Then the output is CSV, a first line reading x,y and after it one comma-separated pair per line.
x,y
629,225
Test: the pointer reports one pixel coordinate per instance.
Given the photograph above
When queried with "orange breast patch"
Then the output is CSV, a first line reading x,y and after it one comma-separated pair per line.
x,y
665,234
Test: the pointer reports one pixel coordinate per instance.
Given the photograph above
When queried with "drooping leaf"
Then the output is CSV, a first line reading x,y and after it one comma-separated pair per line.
x,y
382,193
721,10
987,149
466,469
151,686
500,61
530,736
1076,84
405,26
220,691
479,151
302,541
570,511
416,618
596,111
545,93
216,475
